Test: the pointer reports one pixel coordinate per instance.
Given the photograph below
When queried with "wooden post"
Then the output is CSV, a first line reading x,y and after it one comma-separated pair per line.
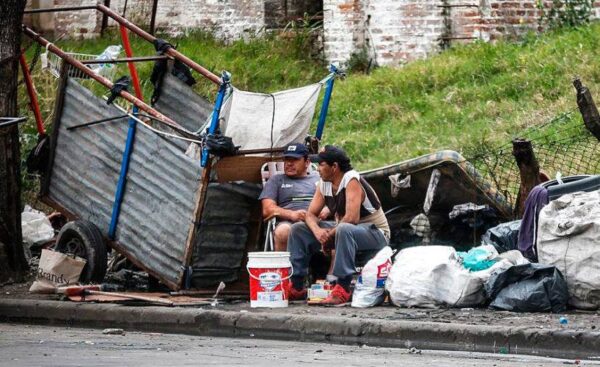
x,y
588,109
153,17
529,170
104,19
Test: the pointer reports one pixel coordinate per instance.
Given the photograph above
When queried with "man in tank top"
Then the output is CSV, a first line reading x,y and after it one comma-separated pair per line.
x,y
360,224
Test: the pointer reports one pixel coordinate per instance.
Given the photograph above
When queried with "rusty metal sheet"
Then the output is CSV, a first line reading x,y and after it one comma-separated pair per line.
x,y
180,102
87,160
158,203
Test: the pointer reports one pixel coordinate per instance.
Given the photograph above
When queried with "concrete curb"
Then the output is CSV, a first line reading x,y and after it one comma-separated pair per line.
x,y
340,330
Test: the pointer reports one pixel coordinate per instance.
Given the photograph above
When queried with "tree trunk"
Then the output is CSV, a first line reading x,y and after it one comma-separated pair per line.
x,y
529,170
588,108
12,259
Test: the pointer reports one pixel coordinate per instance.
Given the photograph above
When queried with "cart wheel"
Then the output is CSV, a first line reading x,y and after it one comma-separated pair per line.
x,y
84,239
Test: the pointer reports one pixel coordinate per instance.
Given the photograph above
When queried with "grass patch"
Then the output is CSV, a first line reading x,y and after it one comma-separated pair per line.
x,y
470,95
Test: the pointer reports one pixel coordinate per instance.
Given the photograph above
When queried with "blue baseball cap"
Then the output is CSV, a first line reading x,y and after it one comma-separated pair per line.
x,y
297,150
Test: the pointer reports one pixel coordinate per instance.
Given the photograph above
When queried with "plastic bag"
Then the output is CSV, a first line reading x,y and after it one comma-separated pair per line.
x,y
528,288
370,287
35,226
110,53
503,237
478,258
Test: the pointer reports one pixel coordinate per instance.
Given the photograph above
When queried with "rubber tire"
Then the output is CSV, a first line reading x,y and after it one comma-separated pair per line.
x,y
84,239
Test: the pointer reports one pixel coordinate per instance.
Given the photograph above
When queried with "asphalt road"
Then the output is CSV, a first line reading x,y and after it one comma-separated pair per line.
x,y
29,345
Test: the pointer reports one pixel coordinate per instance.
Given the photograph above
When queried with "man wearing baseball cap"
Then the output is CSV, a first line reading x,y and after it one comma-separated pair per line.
x,y
288,195
360,224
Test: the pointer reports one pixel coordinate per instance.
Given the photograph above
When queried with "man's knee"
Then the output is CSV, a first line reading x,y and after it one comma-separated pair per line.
x,y
282,232
297,227
345,228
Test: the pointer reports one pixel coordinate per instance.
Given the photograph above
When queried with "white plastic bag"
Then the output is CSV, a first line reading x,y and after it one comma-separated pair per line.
x,y
35,226
432,276
370,288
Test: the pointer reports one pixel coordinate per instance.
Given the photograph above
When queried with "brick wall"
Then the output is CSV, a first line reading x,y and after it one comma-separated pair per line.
x,y
228,19
278,13
396,31
343,33
391,32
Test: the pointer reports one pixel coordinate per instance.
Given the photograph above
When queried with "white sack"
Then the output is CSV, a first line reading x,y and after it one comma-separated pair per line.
x,y
432,276
569,239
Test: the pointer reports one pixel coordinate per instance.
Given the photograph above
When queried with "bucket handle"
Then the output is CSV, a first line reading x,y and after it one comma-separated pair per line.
x,y
254,277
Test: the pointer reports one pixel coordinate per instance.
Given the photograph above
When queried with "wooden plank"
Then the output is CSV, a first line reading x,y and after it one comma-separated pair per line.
x,y
242,168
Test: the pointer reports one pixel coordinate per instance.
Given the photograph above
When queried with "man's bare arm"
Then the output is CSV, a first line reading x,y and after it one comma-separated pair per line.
x,y
312,219
354,198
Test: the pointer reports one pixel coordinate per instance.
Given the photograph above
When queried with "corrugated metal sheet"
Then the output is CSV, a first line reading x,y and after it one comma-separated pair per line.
x,y
178,101
158,204
88,160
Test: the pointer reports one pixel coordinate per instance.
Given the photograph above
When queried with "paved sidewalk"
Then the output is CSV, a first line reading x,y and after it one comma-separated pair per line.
x,y
477,330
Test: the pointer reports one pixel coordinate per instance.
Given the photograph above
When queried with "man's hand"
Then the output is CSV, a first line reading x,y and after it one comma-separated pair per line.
x,y
298,215
322,235
324,214
326,237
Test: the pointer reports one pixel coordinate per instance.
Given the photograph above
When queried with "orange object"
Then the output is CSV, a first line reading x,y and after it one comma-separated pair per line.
x,y
131,65
78,290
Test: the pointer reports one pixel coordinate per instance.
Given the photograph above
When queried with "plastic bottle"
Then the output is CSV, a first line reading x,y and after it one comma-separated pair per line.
x,y
110,53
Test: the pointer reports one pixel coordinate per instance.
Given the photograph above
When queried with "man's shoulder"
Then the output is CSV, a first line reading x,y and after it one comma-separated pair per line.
x,y
312,177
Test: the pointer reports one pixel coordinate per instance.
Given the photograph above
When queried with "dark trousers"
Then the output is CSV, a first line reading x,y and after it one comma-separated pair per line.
x,y
349,238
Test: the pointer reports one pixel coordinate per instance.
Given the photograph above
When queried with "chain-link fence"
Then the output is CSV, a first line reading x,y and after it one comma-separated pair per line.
x,y
561,145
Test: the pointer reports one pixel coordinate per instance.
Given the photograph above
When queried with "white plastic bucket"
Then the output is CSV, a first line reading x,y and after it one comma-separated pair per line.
x,y
270,274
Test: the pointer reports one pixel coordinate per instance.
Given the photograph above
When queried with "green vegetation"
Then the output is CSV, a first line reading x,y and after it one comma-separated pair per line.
x,y
472,95
565,13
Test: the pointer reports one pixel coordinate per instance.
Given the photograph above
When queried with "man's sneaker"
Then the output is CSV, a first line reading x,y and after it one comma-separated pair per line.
x,y
294,294
337,296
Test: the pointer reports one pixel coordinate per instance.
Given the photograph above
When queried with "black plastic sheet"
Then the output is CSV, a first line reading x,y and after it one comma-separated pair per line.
x,y
528,288
503,237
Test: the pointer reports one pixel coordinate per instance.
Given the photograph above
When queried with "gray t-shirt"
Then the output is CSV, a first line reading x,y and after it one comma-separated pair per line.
x,y
291,193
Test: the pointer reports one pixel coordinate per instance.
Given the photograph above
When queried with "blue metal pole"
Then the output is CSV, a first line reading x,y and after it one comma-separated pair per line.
x,y
214,123
325,105
122,176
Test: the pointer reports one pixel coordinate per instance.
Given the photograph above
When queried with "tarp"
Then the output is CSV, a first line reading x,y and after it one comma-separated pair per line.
x,y
569,239
259,120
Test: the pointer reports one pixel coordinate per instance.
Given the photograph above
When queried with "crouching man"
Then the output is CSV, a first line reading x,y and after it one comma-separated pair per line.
x,y
360,224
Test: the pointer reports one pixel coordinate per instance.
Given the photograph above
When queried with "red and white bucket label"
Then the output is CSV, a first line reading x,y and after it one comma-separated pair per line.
x,y
267,287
